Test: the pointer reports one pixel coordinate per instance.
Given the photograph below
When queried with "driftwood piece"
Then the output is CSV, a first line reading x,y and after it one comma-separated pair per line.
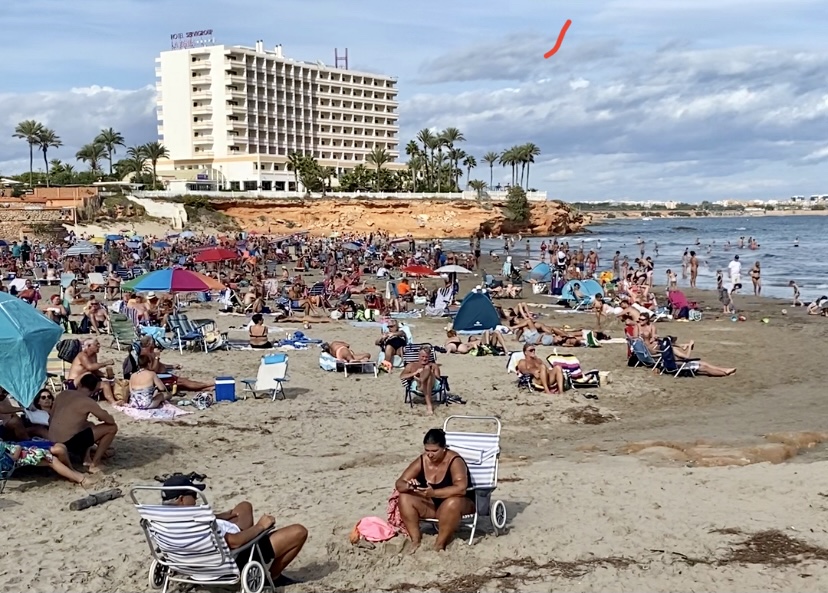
x,y
95,499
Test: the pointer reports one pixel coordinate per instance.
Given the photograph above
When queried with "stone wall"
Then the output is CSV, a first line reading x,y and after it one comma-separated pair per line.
x,y
16,223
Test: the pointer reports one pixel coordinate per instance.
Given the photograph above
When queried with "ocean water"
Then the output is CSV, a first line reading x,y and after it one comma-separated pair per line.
x,y
780,260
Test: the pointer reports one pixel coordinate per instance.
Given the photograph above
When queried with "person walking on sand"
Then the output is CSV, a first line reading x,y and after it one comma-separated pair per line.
x,y
694,269
796,301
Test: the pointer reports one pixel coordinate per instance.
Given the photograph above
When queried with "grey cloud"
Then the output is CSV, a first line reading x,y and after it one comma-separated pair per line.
x,y
77,116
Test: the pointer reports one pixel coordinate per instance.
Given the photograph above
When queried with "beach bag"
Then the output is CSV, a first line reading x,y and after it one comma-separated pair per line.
x,y
372,529
68,350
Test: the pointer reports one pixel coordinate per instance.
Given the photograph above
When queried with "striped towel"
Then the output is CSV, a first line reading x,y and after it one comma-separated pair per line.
x,y
165,412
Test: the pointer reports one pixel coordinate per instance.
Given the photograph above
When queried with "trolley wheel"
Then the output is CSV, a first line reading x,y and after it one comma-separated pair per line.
x,y
157,575
253,577
498,515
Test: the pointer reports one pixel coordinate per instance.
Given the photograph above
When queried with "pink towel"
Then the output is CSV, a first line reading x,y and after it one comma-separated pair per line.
x,y
374,529
393,512
165,412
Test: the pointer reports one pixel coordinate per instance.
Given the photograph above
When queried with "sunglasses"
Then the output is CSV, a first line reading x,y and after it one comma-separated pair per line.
x,y
46,397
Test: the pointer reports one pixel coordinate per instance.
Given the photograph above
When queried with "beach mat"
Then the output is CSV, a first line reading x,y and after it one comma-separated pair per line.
x,y
165,412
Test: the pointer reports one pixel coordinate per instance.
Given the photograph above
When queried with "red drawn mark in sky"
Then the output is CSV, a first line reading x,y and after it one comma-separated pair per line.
x,y
555,49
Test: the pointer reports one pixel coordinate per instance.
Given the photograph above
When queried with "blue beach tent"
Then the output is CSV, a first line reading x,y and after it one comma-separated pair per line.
x,y
589,288
541,273
476,314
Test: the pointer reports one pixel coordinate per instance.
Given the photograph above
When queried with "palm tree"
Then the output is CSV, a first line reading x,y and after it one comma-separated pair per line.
x,y
154,152
294,164
452,136
530,152
47,139
56,165
28,130
508,158
469,163
413,152
427,139
109,139
92,154
455,156
378,157
490,158
477,186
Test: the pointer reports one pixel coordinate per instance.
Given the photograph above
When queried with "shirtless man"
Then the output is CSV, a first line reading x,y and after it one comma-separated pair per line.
x,y
342,351
548,377
425,376
55,310
97,315
647,332
591,262
694,269
69,423
87,362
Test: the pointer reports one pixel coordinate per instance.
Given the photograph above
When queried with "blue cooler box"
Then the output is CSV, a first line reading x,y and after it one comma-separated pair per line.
x,y
225,389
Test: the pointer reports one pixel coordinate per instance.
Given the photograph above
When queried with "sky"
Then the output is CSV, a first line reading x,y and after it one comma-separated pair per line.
x,y
685,100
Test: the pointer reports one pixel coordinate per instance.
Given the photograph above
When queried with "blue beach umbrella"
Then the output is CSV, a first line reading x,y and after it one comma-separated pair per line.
x,y
26,339
160,245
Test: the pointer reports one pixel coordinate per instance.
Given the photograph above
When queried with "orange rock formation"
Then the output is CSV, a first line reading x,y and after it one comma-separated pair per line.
x,y
422,218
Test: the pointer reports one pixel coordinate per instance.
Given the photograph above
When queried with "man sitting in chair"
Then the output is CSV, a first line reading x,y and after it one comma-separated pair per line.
x,y
424,375
87,362
279,549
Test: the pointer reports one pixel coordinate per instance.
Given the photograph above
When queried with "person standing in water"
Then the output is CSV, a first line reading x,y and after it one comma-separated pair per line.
x,y
756,278
694,269
685,263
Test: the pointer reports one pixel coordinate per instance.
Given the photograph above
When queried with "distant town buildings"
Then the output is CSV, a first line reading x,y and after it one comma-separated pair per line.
x,y
801,202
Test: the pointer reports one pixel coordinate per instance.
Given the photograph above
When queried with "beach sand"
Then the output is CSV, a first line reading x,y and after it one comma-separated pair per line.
x,y
622,505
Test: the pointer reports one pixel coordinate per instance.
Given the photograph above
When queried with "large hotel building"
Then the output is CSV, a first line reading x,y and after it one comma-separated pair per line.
x,y
230,116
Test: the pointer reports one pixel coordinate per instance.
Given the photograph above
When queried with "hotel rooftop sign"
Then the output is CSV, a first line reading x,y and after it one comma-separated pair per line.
x,y
192,39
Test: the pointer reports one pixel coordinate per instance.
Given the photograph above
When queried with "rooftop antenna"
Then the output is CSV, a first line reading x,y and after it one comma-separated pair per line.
x,y
340,59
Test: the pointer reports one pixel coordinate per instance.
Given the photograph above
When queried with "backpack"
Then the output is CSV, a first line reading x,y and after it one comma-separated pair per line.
x,y
130,366
68,350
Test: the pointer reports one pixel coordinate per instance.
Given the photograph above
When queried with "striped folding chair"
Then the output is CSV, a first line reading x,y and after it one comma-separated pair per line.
x,y
186,547
481,452
411,353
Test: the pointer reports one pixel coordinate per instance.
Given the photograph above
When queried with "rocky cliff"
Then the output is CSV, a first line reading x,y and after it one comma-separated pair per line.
x,y
422,218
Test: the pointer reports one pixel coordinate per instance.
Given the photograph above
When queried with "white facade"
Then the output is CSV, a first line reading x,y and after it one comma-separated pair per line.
x,y
231,115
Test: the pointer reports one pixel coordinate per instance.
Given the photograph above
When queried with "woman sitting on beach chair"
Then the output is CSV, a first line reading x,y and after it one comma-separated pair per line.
x,y
549,378
435,486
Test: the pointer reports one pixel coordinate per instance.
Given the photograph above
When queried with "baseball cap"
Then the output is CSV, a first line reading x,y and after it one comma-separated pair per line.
x,y
182,482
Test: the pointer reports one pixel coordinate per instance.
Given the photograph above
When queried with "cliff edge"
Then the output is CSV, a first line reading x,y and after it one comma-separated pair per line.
x,y
421,218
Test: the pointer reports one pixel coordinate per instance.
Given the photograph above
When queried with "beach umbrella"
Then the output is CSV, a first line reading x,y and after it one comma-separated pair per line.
x,y
133,244
215,254
187,235
418,271
81,248
3,243
26,339
453,269
351,246
172,280
160,245
114,237
97,240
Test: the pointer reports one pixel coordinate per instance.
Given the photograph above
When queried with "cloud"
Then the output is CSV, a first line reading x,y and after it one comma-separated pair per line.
x,y
718,112
76,116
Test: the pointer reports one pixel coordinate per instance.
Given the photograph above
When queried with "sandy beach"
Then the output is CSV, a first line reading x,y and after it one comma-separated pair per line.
x,y
669,489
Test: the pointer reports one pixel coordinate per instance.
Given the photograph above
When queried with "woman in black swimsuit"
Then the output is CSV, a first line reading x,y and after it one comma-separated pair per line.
x,y
435,486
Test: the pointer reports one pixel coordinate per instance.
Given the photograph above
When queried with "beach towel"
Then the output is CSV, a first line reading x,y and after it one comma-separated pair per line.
x,y
393,513
165,412
366,324
372,529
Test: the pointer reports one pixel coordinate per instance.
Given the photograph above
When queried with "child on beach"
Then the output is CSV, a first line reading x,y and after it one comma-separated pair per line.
x,y
724,295
672,280
796,301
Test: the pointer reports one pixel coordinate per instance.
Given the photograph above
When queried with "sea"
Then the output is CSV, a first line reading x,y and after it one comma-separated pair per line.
x,y
781,260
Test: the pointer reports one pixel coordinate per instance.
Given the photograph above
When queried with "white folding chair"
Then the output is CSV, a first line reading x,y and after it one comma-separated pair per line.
x,y
272,374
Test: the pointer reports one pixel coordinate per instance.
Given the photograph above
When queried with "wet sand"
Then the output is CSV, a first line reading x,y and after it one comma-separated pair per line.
x,y
584,514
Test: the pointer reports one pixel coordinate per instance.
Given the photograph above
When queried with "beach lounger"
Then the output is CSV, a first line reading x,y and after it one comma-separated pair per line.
x,y
642,354
524,381
272,374
55,371
123,331
186,547
97,280
674,365
481,452
440,395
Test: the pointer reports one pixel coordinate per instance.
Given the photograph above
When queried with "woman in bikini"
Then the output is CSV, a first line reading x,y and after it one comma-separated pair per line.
x,y
435,486
342,351
258,333
146,390
455,345
756,278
